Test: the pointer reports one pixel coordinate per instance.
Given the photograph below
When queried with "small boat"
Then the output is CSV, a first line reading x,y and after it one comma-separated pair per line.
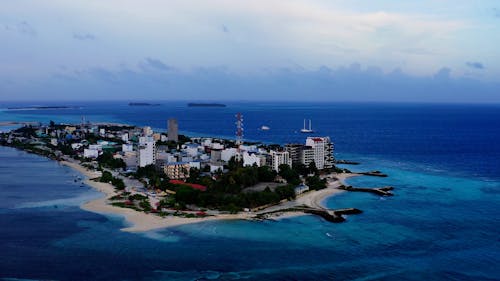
x,y
306,131
265,128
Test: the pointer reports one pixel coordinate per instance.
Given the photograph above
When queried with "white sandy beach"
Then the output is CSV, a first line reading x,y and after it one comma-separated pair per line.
x,y
140,222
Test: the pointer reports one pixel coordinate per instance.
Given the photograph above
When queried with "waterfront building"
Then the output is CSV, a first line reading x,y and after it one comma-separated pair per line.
x,y
277,158
90,153
173,128
301,188
323,151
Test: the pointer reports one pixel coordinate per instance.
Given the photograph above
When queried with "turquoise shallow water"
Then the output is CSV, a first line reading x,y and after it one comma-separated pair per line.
x,y
442,224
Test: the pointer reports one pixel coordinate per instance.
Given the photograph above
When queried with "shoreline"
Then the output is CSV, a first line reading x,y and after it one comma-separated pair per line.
x,y
142,222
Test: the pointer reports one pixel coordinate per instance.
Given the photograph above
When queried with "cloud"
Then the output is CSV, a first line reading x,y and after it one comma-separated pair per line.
x,y
496,13
346,83
22,27
157,64
475,65
84,36
224,29
443,74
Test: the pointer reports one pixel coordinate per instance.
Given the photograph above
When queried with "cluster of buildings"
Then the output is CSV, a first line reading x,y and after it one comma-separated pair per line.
x,y
140,147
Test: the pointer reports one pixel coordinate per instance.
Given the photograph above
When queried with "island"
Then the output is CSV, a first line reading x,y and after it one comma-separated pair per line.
x,y
142,104
200,104
156,182
43,107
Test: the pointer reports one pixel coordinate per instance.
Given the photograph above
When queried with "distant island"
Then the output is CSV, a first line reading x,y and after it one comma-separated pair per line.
x,y
41,107
200,104
142,104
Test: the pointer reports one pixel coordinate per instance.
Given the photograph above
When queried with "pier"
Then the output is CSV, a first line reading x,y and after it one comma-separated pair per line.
x,y
382,191
373,174
346,162
334,216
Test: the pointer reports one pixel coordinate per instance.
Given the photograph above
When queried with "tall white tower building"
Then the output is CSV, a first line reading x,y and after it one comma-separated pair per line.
x,y
323,151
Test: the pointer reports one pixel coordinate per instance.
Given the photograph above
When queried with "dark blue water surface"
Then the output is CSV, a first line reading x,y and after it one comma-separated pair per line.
x,y
443,223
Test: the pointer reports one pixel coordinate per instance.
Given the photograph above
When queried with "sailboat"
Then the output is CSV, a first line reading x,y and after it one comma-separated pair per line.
x,y
306,131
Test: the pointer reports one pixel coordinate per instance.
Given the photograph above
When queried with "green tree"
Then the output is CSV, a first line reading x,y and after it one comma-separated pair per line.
x,y
291,176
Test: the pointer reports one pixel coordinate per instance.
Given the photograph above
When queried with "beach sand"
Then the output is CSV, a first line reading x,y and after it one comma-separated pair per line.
x,y
140,222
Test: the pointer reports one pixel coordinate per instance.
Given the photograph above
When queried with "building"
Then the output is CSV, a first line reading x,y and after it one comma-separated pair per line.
x,y
125,137
295,151
228,153
157,136
177,170
130,159
300,154
301,188
215,155
127,147
146,152
323,151
250,159
90,153
216,167
277,158
173,130
147,131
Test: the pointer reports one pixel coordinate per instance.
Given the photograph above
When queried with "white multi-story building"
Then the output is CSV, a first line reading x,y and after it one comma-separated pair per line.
x,y
216,145
323,151
147,151
191,149
90,153
147,131
125,137
127,147
228,153
250,159
278,158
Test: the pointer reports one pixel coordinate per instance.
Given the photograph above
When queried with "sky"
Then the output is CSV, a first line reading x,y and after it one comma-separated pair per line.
x,y
293,50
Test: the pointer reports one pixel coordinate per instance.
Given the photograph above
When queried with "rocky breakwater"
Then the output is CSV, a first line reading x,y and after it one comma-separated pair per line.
x,y
382,191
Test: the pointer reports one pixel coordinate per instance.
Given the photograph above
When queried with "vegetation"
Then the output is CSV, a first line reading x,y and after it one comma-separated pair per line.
x,y
107,160
291,176
108,178
315,182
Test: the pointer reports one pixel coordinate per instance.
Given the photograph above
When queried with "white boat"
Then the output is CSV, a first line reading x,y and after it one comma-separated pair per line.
x,y
265,128
306,131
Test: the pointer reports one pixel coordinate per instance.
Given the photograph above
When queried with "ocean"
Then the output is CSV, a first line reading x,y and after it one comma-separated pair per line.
x,y
442,224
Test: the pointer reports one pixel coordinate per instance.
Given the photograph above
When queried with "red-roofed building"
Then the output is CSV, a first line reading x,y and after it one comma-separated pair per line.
x,y
192,185
323,151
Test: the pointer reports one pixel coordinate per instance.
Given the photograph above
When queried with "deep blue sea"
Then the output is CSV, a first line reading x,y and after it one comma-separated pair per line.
x,y
442,224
